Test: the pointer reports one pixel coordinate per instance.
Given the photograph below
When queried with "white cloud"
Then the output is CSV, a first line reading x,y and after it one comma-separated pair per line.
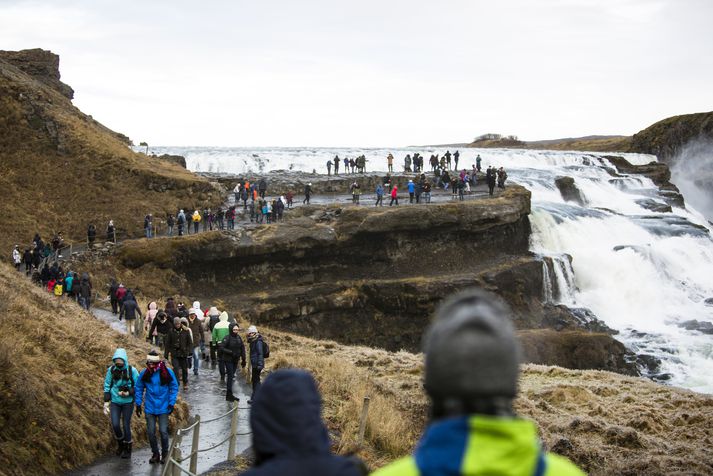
x,y
373,72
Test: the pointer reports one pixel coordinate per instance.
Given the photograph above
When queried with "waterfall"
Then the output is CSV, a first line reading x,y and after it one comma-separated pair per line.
x,y
642,272
558,286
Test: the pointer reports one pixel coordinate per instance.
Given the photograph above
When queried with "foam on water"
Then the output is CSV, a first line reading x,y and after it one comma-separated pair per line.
x,y
641,272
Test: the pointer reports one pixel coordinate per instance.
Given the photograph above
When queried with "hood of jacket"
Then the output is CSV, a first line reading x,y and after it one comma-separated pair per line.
x,y
152,306
286,417
196,305
121,354
223,316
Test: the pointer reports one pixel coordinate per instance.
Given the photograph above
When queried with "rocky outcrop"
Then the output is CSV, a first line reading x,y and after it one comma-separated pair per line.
x,y
279,182
174,159
42,65
666,138
658,172
569,190
576,350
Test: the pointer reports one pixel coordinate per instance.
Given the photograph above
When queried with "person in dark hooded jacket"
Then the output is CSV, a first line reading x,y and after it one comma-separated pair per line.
x,y
113,288
85,291
130,310
162,325
233,351
289,436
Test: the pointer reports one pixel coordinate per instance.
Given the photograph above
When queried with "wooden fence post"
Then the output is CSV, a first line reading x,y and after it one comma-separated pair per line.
x,y
362,421
194,445
233,431
176,455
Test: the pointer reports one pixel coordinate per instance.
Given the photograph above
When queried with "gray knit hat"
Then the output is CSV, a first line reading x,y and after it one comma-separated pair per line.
x,y
471,349
176,321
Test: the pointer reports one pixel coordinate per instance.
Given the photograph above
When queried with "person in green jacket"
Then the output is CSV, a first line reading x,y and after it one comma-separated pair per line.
x,y
119,385
220,330
471,372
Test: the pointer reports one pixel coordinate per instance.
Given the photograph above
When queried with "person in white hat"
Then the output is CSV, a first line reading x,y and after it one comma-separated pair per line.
x,y
257,357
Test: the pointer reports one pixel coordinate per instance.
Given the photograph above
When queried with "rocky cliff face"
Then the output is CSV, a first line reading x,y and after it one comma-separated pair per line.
x,y
365,276
41,65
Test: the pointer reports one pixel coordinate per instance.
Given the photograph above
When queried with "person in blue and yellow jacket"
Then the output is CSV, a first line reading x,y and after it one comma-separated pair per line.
x,y
471,371
119,389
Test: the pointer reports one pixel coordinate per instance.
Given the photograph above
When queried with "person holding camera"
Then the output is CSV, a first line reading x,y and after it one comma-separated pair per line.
x,y
157,389
119,385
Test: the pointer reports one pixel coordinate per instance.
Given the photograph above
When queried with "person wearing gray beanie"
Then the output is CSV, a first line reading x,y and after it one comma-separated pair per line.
x,y
471,369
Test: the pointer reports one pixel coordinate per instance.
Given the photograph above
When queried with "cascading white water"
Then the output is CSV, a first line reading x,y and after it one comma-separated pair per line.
x,y
641,272
547,294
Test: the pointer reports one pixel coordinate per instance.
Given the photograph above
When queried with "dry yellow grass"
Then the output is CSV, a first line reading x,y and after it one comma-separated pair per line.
x,y
604,422
54,358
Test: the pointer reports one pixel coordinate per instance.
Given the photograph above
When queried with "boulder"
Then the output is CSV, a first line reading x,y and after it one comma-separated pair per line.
x,y
654,205
577,350
569,190
704,327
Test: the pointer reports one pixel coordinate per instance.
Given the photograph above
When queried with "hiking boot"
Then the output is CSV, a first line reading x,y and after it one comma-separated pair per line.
x,y
127,451
164,458
185,386
120,447
222,378
155,458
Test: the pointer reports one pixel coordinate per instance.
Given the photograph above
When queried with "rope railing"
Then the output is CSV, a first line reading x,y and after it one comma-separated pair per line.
x,y
175,460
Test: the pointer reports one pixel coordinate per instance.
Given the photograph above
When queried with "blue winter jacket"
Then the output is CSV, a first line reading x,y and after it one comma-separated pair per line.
x,y
158,397
118,377
411,187
289,437
68,281
379,191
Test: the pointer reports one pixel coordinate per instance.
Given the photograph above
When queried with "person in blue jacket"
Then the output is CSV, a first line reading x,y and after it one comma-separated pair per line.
x,y
119,386
289,437
411,191
159,384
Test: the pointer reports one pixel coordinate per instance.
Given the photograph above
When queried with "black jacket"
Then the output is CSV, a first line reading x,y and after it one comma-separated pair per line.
x,y
178,343
160,327
232,347
257,353
130,309
289,437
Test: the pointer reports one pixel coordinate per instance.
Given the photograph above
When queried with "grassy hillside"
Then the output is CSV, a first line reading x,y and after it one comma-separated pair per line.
x,y
61,170
605,422
589,143
54,358
665,138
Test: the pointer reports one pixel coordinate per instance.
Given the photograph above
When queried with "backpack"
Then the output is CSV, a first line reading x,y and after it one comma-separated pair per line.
x,y
265,349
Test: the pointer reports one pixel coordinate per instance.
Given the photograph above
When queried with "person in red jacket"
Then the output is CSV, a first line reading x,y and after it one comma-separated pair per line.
x,y
394,196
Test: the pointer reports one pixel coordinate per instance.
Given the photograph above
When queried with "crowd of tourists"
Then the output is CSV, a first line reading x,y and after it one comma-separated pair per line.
x,y
42,266
181,337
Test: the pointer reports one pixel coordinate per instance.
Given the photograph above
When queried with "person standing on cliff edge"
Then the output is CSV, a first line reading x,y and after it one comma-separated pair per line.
x,y
471,371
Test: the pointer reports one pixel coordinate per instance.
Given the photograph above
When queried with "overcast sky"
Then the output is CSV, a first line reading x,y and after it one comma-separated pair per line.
x,y
372,73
